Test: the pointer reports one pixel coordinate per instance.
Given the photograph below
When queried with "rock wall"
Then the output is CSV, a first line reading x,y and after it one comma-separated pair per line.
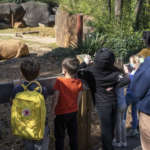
x,y
9,10
36,12
30,13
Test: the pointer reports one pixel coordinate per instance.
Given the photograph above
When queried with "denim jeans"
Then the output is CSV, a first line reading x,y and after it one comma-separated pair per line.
x,y
120,129
107,117
135,121
38,145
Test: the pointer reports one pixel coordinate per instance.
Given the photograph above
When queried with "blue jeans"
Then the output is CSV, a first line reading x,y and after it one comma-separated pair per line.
x,y
120,129
135,121
38,145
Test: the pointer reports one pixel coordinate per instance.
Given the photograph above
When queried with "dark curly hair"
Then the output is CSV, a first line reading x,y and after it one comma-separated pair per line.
x,y
30,69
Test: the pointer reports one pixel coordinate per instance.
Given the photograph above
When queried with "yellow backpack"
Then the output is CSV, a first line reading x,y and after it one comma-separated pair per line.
x,y
28,113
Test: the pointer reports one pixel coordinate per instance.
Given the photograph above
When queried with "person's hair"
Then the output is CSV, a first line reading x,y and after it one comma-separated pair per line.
x,y
30,69
133,57
71,65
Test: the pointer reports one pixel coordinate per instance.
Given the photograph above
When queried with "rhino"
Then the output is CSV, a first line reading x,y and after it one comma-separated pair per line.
x,y
13,49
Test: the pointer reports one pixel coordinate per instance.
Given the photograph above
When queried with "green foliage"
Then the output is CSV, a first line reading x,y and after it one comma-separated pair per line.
x,y
21,1
117,35
125,44
122,44
92,43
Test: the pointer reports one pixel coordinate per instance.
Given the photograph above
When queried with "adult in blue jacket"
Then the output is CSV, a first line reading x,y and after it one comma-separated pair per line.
x,y
141,89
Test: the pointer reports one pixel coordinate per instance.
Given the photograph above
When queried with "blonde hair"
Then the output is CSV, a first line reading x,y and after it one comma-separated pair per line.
x,y
135,59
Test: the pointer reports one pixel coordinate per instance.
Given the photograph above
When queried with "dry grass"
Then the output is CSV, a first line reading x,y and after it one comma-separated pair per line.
x,y
43,31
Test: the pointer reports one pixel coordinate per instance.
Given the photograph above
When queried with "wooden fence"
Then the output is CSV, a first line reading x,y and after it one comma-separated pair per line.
x,y
84,114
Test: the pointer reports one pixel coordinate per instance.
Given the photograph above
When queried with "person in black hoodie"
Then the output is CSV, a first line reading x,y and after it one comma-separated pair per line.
x,y
100,76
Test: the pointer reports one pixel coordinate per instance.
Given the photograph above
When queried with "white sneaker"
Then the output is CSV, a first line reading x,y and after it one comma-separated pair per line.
x,y
117,144
124,144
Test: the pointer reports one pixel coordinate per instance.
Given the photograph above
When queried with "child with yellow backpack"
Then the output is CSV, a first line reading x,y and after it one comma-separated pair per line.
x,y
28,111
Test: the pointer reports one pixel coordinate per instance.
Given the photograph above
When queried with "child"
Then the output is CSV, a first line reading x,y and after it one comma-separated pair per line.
x,y
134,62
68,93
30,70
120,139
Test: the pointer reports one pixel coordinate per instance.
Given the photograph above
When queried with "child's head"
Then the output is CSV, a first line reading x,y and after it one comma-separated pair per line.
x,y
30,69
132,60
135,61
70,66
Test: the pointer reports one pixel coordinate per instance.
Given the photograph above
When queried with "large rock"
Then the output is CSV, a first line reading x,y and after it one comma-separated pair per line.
x,y
36,12
65,25
13,49
4,25
6,12
18,11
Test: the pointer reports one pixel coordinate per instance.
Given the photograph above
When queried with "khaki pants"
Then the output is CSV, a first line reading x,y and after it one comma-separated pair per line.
x,y
144,124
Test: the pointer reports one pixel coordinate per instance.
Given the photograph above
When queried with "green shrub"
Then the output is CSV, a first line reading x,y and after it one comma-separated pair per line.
x,y
92,42
122,44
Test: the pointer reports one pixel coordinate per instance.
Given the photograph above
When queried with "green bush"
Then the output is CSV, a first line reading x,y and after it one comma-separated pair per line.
x,y
92,42
122,44
125,44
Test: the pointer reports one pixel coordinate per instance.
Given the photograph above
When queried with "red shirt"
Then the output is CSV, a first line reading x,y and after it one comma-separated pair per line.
x,y
69,89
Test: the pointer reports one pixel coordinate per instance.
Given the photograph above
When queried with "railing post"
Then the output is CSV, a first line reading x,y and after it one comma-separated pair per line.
x,y
84,121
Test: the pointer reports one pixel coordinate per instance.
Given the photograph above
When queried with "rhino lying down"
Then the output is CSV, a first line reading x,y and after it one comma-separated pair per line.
x,y
13,49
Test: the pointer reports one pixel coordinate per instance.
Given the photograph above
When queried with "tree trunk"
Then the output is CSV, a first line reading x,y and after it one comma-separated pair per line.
x,y
118,9
79,30
137,13
109,7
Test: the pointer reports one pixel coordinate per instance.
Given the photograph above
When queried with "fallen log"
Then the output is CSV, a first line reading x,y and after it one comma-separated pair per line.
x,y
30,32
20,34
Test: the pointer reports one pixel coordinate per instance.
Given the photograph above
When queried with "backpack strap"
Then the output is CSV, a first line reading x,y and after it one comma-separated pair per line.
x,y
25,87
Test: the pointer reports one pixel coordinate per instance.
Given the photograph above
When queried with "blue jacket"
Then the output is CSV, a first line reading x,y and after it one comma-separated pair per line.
x,y
31,87
140,86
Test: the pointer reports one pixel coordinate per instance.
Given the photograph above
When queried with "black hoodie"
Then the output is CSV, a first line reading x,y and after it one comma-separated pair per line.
x,y
101,75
